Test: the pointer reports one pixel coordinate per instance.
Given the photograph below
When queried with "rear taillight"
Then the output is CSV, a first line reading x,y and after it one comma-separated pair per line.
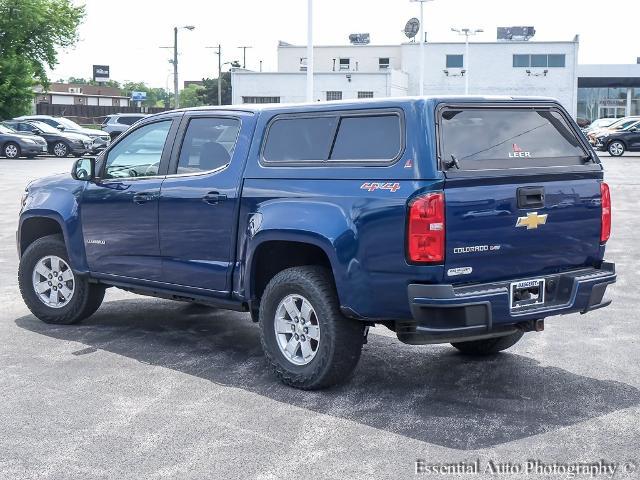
x,y
605,200
425,229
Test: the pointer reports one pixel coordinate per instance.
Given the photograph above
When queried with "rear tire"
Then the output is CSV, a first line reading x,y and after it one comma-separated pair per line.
x,y
488,346
83,299
616,148
330,350
11,150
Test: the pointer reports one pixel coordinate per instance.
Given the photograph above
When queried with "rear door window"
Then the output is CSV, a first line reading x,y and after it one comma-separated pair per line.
x,y
498,138
208,144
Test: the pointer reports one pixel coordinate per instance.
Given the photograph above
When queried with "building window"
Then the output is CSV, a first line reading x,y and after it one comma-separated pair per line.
x,y
383,63
334,95
365,94
539,60
455,61
303,64
260,99
344,63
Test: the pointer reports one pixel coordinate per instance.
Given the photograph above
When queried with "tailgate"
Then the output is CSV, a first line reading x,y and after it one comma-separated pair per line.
x,y
511,212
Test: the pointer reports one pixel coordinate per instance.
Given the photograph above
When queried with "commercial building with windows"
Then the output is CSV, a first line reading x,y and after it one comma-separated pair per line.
x,y
366,71
548,69
608,91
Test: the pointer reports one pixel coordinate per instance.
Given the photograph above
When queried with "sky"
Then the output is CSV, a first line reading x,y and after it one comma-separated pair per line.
x,y
127,35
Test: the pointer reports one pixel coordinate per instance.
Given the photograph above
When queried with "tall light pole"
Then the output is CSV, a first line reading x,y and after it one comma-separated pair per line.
x,y
244,55
423,32
309,50
175,63
466,32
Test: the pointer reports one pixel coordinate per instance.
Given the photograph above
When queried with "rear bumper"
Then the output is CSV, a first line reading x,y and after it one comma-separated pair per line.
x,y
450,312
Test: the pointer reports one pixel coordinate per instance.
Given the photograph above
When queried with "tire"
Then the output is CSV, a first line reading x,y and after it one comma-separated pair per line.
x,y
488,346
339,339
11,150
616,148
60,149
85,297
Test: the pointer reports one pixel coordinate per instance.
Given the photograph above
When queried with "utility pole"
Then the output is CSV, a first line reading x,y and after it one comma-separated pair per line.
x,y
218,51
466,32
176,92
176,96
309,50
423,38
244,55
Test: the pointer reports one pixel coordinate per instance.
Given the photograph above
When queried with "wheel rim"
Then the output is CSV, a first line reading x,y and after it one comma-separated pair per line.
x,y
53,281
11,151
616,149
60,150
297,329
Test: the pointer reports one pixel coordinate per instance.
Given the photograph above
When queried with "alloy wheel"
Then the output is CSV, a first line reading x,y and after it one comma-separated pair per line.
x,y
53,281
11,151
60,150
297,329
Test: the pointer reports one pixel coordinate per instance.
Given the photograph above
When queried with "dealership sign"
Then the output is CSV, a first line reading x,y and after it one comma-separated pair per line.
x,y
138,96
101,73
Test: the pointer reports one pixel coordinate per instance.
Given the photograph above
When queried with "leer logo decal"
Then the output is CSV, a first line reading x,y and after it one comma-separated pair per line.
x,y
518,152
373,186
532,220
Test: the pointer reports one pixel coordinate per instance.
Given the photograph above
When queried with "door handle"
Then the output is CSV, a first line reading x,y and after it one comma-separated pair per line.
x,y
530,197
143,197
213,198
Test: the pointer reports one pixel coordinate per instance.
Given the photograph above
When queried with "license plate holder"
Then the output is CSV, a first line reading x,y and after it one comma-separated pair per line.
x,y
526,293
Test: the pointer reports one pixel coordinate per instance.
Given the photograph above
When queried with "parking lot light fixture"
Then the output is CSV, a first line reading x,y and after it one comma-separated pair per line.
x,y
466,32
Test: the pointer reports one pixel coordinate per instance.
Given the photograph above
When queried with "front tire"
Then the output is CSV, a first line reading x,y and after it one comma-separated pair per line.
x,y
488,346
616,148
11,150
60,149
50,289
307,341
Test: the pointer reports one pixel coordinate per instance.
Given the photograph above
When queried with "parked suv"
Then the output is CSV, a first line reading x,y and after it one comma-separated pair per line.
x,y
616,142
60,144
462,220
114,125
99,140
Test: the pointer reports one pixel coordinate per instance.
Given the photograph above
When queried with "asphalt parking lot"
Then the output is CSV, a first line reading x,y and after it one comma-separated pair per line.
x,y
149,388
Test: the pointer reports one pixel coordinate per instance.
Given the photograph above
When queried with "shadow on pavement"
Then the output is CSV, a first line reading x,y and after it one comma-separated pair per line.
x,y
427,393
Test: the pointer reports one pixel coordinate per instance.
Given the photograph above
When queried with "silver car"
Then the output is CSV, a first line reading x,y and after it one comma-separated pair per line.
x,y
117,123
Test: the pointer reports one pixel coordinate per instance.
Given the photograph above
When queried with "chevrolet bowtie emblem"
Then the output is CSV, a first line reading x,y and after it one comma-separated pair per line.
x,y
532,220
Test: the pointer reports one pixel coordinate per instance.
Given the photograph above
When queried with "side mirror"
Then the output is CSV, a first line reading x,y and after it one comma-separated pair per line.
x,y
84,169
36,131
60,127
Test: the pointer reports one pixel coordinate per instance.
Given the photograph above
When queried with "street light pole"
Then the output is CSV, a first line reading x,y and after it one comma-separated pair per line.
x,y
176,96
466,32
176,92
219,74
423,36
309,50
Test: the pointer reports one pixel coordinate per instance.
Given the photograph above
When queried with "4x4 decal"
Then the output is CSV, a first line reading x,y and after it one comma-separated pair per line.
x,y
373,186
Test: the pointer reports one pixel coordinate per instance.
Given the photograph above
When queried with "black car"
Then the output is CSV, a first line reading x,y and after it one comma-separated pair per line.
x,y
14,144
59,143
100,140
616,142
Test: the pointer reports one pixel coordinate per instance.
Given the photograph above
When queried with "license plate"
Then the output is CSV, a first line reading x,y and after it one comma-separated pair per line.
x,y
44,148
527,293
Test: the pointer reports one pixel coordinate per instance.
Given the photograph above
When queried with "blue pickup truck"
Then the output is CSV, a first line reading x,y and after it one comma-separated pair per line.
x,y
462,220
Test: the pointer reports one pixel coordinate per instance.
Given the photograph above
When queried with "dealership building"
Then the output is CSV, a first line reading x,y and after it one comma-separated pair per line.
x,y
524,67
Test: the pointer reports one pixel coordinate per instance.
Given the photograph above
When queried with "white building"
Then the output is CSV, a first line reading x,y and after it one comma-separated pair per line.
x,y
363,71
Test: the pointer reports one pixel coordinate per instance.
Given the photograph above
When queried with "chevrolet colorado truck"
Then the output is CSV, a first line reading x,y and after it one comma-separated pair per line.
x,y
462,220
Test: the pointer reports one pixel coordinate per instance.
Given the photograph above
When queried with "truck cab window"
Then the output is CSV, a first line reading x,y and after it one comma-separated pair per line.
x,y
208,144
139,153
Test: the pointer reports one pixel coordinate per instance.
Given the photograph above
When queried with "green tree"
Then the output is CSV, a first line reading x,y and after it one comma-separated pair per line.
x,y
191,96
210,90
31,33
